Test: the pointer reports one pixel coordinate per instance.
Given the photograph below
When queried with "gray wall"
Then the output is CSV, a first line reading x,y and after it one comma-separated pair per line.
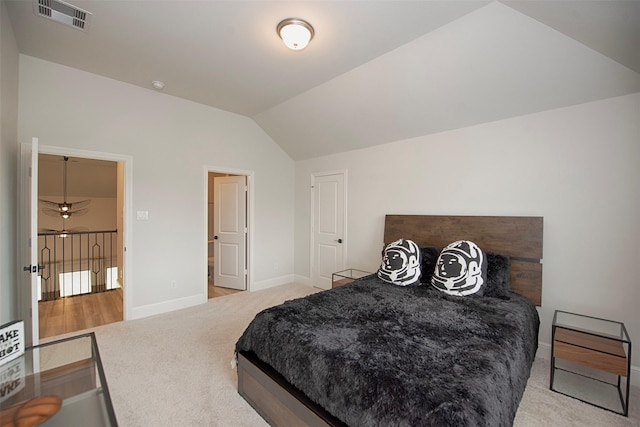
x,y
576,166
171,142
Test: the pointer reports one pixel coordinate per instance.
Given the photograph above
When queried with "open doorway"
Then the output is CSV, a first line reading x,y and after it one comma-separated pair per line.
x,y
227,233
80,243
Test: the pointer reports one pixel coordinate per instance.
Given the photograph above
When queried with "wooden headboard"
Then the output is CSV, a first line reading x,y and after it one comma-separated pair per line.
x,y
516,236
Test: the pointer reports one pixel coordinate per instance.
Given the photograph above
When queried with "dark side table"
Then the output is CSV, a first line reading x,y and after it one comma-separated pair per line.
x,y
591,360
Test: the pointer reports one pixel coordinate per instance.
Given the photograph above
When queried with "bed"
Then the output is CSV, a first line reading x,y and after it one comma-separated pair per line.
x,y
372,353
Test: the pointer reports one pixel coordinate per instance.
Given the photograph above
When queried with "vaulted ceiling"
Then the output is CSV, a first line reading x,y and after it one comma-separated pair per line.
x,y
375,72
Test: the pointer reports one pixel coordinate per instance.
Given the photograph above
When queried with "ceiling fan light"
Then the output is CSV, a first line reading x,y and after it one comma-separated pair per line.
x,y
295,33
65,209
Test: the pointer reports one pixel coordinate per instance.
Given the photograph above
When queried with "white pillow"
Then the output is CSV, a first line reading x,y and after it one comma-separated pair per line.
x,y
461,269
400,263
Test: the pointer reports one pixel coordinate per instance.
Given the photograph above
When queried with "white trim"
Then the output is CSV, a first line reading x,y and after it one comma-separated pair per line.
x,y
303,280
127,208
345,223
312,217
27,254
544,352
273,282
167,306
250,220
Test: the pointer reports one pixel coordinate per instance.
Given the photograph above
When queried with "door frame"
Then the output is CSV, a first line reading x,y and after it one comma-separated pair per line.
x,y
312,217
27,252
127,210
250,176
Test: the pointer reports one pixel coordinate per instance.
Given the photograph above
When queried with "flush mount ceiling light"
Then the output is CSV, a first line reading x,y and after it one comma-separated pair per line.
x,y
295,33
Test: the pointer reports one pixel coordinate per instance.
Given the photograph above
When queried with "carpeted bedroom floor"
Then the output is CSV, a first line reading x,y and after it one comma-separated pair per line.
x,y
175,369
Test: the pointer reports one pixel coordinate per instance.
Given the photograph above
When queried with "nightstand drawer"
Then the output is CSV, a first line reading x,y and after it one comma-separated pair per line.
x,y
601,353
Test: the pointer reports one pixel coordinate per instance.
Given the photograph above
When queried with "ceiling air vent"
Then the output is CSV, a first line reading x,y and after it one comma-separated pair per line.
x,y
63,13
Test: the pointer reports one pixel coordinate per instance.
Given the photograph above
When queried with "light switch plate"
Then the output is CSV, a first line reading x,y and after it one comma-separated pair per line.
x,y
142,215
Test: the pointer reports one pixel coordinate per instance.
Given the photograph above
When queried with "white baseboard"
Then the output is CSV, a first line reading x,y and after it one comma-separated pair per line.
x,y
177,304
166,306
544,352
270,283
303,280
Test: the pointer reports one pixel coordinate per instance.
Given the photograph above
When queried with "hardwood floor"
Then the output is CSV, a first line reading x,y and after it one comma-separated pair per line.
x,y
80,312
216,291
73,314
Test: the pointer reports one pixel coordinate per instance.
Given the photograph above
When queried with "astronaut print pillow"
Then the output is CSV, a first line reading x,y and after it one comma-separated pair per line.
x,y
401,263
461,269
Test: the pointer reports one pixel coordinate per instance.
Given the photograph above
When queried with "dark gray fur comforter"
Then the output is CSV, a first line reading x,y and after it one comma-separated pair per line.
x,y
376,354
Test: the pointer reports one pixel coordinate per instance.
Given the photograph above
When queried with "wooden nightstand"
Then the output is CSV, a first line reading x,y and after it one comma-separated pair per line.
x,y
591,360
347,276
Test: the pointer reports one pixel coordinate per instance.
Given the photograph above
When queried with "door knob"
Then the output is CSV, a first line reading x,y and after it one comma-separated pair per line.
x,y
339,240
215,237
33,268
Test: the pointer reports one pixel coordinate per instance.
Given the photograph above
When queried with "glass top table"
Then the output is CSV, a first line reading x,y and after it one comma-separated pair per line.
x,y
591,325
346,276
591,360
61,381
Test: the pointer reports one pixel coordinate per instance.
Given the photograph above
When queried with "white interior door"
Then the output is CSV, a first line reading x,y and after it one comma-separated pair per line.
x,y
230,232
28,241
327,228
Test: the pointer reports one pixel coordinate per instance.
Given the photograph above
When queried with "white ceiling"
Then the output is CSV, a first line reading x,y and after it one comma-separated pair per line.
x,y
376,71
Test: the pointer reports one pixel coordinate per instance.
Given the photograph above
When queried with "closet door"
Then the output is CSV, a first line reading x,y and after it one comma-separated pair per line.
x,y
328,227
230,232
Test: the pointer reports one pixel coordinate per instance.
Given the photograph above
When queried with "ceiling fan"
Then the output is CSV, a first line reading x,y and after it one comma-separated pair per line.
x,y
61,233
65,209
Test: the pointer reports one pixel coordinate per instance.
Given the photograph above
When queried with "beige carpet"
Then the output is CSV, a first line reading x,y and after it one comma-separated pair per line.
x,y
174,370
